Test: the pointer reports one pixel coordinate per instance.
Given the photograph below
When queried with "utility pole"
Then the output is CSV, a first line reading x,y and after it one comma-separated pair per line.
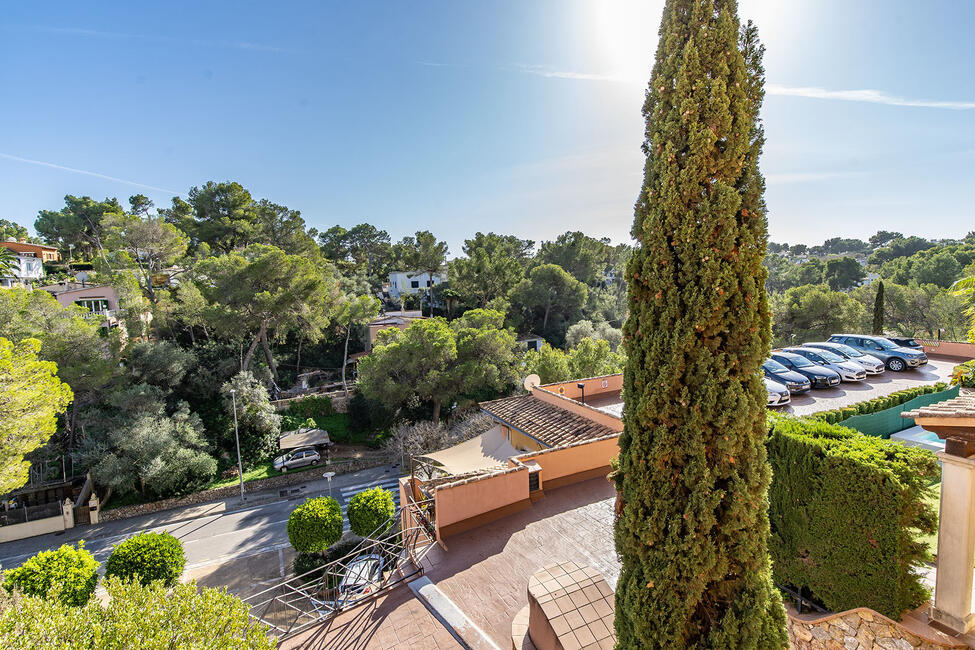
x,y
240,465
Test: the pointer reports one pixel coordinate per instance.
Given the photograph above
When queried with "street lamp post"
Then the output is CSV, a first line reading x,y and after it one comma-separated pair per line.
x,y
328,476
240,465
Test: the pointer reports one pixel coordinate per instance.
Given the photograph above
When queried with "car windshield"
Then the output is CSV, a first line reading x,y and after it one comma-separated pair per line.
x,y
830,356
800,362
885,344
774,366
848,351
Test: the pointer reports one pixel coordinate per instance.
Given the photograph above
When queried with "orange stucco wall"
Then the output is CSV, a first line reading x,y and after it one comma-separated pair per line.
x,y
594,386
102,292
949,348
462,502
587,412
577,459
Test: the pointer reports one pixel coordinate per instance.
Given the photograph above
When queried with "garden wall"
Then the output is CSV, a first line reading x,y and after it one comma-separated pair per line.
x,y
859,628
955,349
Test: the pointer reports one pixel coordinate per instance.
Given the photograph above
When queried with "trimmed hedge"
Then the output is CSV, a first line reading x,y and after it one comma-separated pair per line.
x,y
371,510
315,525
67,575
148,557
883,403
846,511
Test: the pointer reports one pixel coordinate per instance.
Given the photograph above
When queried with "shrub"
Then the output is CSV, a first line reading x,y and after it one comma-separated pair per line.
x,y
371,511
67,575
315,525
964,374
845,512
148,557
305,562
877,404
345,546
145,617
310,407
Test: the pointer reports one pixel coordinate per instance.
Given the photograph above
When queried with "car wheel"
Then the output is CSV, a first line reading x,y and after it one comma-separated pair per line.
x,y
284,470
896,364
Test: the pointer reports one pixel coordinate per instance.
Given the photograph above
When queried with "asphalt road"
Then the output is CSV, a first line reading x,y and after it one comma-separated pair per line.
x,y
208,539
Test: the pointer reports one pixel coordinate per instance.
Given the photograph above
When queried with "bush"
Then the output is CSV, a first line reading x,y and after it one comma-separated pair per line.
x,y
315,525
371,511
345,546
877,404
964,374
846,511
144,617
310,407
148,557
305,562
67,575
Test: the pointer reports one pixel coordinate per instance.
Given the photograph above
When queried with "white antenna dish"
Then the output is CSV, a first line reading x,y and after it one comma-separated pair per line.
x,y
531,381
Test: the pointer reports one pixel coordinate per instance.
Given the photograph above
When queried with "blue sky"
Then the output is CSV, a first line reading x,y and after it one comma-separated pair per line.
x,y
455,116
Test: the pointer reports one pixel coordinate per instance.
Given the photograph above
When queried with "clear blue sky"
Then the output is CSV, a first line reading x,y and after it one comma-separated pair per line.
x,y
512,116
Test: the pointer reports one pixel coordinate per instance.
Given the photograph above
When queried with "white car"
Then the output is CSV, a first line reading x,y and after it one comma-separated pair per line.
x,y
872,365
847,370
778,395
363,576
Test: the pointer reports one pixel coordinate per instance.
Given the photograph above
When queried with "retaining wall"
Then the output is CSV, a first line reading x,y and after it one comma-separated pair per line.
x,y
861,629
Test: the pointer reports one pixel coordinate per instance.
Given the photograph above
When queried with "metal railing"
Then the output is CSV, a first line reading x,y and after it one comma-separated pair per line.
x,y
317,595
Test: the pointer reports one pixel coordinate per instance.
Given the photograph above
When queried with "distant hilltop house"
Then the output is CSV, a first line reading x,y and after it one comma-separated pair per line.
x,y
398,319
101,300
412,282
31,258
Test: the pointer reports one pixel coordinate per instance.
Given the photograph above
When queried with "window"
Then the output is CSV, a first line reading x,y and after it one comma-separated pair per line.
x,y
429,283
93,305
415,284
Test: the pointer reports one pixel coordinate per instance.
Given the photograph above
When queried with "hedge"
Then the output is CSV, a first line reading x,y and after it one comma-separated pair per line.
x,y
846,512
315,525
67,575
148,557
371,511
885,402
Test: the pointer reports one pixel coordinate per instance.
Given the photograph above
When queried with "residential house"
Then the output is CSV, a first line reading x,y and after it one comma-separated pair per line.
x,y
40,251
399,319
531,342
30,270
412,282
101,300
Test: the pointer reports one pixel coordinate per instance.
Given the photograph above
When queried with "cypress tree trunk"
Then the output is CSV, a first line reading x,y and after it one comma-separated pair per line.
x,y
878,310
693,527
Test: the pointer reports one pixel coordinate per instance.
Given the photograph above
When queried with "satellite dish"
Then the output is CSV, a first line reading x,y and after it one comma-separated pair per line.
x,y
531,381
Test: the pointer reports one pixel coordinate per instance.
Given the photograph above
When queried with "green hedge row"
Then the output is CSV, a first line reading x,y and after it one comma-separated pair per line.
x,y
877,404
846,511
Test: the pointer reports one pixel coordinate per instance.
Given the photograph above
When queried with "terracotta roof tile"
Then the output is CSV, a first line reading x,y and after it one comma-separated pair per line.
x,y
546,423
962,406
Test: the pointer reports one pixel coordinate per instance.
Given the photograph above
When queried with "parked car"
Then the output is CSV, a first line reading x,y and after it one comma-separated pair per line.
x,y
894,357
819,376
847,370
906,342
871,364
297,458
778,373
778,394
364,576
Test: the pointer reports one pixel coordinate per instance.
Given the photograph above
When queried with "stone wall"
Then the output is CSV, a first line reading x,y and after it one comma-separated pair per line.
x,y
339,401
273,483
858,629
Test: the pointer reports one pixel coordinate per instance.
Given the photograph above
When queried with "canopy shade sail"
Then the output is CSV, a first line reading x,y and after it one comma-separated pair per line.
x,y
304,438
489,449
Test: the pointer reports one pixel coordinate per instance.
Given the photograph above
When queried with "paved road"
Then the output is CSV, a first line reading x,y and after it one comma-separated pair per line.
x,y
873,386
208,539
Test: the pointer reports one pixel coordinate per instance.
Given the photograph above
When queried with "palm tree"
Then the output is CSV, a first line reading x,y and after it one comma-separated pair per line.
x,y
9,263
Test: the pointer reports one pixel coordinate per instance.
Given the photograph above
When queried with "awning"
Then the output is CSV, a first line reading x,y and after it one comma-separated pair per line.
x,y
486,450
304,438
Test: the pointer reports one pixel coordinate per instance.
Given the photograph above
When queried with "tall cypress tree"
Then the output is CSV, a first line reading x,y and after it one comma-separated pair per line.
x,y
878,310
693,525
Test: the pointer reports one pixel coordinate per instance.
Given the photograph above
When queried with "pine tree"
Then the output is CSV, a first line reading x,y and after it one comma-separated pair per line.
x,y
878,310
693,527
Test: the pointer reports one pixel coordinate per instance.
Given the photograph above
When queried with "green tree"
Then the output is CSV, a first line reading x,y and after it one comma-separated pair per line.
x,y
843,273
583,257
9,263
31,397
67,575
136,616
693,530
315,525
422,252
221,215
147,557
965,289
493,266
550,364
940,269
593,358
259,425
371,512
351,312
812,313
548,290
362,248
77,227
143,245
599,332
883,238
10,229
878,310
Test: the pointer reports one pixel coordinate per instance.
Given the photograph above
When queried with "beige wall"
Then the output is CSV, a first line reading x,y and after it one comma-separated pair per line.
x,y
578,459
522,442
469,500
68,298
39,527
949,348
594,386
587,412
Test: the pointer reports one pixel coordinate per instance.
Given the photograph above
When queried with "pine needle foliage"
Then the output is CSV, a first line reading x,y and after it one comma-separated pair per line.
x,y
692,533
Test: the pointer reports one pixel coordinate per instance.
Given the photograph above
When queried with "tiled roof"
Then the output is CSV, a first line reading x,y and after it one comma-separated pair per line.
x,y
546,423
962,406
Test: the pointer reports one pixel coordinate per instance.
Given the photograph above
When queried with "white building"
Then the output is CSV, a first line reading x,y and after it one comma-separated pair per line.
x,y
31,269
412,282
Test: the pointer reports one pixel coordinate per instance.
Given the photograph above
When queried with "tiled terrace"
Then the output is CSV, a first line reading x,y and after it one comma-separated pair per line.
x,y
486,570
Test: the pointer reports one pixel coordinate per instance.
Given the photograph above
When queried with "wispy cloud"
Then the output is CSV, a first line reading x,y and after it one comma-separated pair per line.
x,y
868,96
160,38
551,73
74,170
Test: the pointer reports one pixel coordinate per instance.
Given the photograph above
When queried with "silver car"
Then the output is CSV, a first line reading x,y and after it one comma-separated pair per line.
x,y
847,370
872,365
297,458
364,576
778,394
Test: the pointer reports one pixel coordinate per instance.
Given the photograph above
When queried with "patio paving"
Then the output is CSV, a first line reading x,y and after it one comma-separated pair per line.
x,y
486,570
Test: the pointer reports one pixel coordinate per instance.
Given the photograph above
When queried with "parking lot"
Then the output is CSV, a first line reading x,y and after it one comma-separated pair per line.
x,y
824,399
